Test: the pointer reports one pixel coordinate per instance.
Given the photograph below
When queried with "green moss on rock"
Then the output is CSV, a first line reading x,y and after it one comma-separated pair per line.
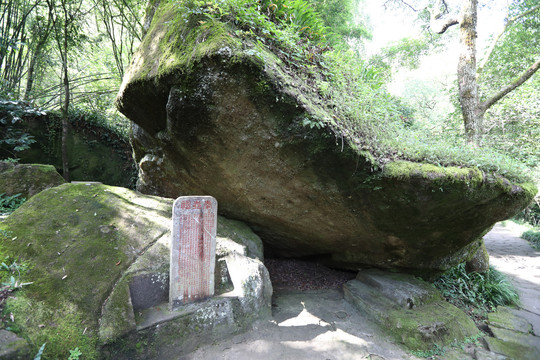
x,y
412,311
248,129
79,238
27,179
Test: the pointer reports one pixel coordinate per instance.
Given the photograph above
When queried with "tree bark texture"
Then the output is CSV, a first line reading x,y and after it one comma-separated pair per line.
x,y
65,110
468,87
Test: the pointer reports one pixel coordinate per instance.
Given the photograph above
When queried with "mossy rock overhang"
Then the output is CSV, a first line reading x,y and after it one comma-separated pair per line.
x,y
214,114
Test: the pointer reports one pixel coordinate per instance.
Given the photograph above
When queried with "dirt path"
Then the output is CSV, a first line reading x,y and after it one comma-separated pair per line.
x,y
314,325
512,255
321,325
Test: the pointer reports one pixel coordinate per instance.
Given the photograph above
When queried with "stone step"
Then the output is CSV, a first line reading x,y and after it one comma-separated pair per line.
x,y
409,309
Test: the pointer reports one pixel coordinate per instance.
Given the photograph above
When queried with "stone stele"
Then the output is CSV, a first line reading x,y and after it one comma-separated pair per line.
x,y
193,249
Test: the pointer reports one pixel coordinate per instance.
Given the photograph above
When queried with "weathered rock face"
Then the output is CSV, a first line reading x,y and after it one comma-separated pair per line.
x,y
209,118
99,274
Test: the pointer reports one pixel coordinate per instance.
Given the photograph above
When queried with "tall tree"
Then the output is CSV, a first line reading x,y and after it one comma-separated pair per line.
x,y
473,106
66,18
40,36
15,17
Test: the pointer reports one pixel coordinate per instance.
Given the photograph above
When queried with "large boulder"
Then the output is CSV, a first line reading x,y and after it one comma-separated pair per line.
x,y
214,114
97,276
27,179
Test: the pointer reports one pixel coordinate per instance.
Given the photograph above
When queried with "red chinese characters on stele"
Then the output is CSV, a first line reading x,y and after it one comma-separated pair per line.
x,y
193,249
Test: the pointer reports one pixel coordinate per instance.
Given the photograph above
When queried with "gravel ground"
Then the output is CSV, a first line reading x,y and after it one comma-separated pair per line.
x,y
294,274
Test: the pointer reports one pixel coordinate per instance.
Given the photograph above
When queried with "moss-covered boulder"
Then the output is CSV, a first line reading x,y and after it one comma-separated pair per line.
x,y
409,309
27,179
219,115
98,258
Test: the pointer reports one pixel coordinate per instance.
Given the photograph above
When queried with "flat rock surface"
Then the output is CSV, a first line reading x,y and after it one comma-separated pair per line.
x,y
315,325
319,324
512,255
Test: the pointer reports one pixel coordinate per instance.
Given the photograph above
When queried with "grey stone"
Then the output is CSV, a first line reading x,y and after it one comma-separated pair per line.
x,y
411,311
479,262
149,290
245,297
507,318
514,345
405,290
13,347
27,179
482,354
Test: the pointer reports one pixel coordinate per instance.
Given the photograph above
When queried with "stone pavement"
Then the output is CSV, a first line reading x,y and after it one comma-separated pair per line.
x,y
512,255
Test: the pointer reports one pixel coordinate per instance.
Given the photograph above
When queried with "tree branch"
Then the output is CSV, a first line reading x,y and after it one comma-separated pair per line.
x,y
507,89
509,23
400,2
437,24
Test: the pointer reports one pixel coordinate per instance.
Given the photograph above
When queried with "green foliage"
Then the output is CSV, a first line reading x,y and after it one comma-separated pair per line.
x,y
12,113
532,236
40,352
373,121
112,121
340,16
513,124
74,354
483,292
435,351
10,203
520,38
531,214
291,27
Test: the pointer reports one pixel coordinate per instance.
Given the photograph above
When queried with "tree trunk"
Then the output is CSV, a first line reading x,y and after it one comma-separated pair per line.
x,y
65,108
468,87
36,54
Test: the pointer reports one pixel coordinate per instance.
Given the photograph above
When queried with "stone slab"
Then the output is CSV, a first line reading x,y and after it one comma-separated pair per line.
x,y
405,290
506,318
193,249
161,313
419,327
482,354
512,349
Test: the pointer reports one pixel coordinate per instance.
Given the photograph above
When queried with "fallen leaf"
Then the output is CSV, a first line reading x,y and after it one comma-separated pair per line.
x,y
118,263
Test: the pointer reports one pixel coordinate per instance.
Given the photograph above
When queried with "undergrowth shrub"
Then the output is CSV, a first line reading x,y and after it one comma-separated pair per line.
x,y
476,293
359,109
10,203
13,138
532,236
